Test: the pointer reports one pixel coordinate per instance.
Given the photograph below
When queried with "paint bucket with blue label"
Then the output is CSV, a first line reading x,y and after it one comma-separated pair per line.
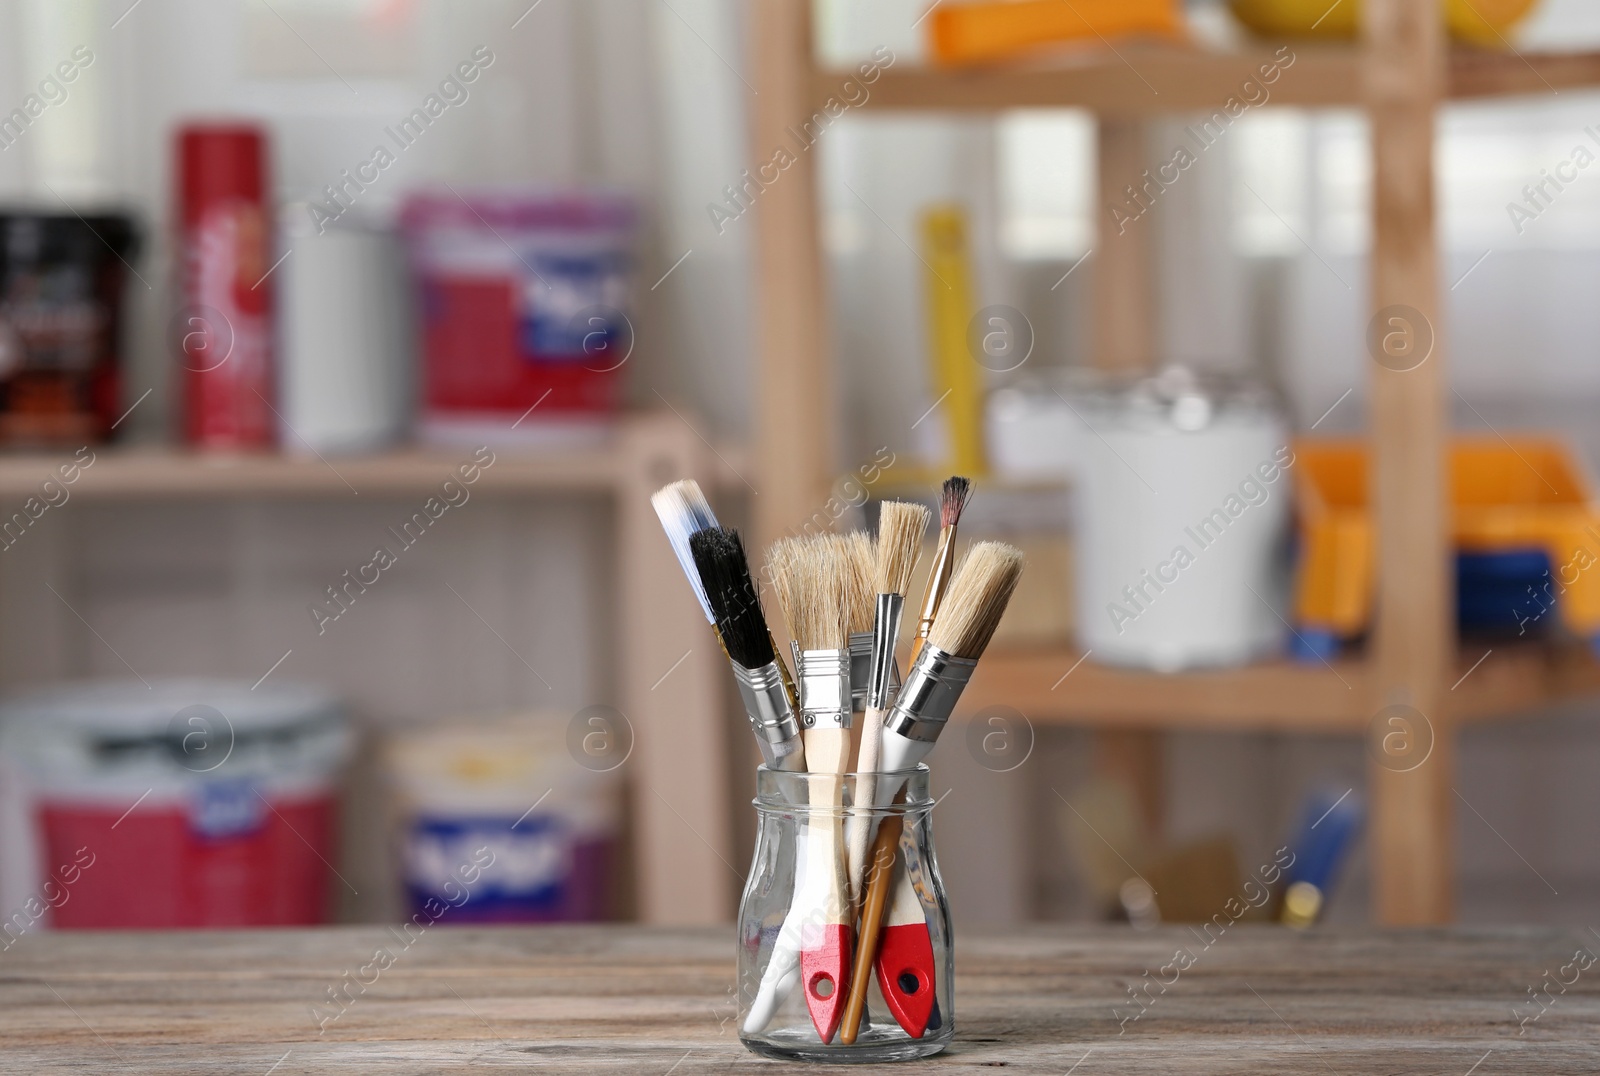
x,y
506,790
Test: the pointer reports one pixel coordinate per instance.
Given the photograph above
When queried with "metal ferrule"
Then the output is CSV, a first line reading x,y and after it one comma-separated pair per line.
x,y
938,579
928,697
824,688
766,703
860,668
885,629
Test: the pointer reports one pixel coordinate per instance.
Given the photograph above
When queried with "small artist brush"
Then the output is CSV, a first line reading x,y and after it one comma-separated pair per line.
x,y
953,496
968,616
764,686
900,530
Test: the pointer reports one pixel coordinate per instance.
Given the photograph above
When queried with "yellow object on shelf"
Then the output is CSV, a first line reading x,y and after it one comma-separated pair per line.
x,y
998,30
957,378
1525,493
1477,22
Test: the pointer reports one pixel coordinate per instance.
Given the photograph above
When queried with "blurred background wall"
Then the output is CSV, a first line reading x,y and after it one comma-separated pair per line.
x,y
1261,270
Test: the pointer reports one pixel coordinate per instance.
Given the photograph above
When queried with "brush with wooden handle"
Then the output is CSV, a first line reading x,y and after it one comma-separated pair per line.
x,y
953,497
970,612
873,906
900,529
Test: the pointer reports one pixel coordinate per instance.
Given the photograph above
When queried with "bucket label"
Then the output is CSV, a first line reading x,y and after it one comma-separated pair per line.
x,y
223,809
532,860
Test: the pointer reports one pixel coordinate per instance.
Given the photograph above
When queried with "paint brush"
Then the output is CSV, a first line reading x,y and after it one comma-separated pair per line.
x,y
969,613
764,684
684,511
900,529
953,496
815,583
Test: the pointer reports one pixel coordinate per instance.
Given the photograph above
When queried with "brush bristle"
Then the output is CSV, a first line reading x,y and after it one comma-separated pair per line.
x,y
859,557
976,599
684,511
735,603
809,577
952,499
901,527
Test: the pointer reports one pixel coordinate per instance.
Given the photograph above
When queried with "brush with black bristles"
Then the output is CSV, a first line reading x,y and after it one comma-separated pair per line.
x,y
684,512
764,685
902,951
901,526
952,499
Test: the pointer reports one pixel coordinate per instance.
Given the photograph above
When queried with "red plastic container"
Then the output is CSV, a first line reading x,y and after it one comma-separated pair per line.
x,y
222,331
185,804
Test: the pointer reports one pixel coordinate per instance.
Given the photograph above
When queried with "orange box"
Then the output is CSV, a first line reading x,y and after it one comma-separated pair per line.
x,y
1000,30
1521,493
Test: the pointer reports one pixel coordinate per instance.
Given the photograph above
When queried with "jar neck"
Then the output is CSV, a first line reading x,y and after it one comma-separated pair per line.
x,y
783,790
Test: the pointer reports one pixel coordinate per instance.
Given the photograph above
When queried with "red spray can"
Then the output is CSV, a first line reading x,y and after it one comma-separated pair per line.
x,y
223,328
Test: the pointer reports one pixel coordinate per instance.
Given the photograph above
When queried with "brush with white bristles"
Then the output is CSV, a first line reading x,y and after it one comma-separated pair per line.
x,y
901,526
684,511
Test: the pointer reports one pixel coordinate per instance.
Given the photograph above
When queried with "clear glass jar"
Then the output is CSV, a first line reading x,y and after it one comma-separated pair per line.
x,y
792,943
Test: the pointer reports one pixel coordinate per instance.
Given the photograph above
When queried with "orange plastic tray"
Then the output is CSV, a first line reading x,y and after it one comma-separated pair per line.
x,y
1522,493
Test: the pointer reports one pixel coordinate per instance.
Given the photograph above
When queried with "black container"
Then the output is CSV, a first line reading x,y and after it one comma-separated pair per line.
x,y
62,280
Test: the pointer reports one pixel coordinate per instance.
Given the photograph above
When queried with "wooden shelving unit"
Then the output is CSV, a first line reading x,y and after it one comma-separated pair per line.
x,y
1401,73
680,746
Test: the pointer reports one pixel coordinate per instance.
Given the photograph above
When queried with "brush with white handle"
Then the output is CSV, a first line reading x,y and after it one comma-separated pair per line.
x,y
817,580
900,530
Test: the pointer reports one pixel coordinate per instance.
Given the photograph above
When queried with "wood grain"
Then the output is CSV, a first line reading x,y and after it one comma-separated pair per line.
x,y
1413,811
593,1000
1163,80
146,473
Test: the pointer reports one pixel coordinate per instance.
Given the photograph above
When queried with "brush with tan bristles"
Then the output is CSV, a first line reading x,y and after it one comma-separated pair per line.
x,y
899,944
817,582
901,527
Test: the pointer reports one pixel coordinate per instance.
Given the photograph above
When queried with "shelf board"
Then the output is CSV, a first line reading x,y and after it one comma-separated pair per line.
x,y
1146,79
1268,696
133,473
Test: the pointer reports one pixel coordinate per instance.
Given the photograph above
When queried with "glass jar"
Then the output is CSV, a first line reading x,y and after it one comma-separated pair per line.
x,y
795,933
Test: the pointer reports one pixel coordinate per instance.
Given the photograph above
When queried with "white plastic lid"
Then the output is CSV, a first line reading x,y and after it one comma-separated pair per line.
x,y
128,708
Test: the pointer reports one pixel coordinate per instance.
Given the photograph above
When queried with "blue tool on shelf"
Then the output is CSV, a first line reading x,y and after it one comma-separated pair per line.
x,y
1328,827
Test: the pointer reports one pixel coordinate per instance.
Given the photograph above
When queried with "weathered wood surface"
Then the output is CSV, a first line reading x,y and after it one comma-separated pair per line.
x,y
591,1000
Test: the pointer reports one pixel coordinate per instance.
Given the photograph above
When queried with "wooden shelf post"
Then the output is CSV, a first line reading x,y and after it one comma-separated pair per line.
x,y
671,693
795,406
1412,830
1125,311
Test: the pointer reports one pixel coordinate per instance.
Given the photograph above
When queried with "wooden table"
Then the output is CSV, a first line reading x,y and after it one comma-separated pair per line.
x,y
650,1001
